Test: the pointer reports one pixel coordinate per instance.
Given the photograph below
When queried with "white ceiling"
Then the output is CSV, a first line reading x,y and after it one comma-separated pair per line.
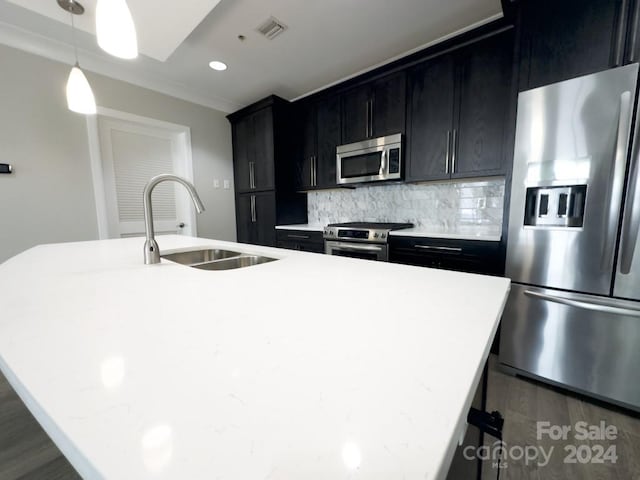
x,y
161,27
326,41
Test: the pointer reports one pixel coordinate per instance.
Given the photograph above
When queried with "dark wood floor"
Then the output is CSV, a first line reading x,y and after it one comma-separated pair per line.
x,y
523,403
26,452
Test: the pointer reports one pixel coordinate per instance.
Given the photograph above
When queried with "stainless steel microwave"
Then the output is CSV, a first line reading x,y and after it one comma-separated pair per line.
x,y
372,160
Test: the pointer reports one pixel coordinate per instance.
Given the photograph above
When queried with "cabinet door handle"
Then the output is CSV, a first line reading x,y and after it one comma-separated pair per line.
x,y
448,153
298,237
366,116
311,170
314,171
371,118
454,147
254,218
252,174
439,248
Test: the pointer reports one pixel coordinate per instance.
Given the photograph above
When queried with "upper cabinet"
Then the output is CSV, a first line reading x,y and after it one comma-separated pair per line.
x,y
319,137
253,151
430,119
458,111
485,96
375,109
569,38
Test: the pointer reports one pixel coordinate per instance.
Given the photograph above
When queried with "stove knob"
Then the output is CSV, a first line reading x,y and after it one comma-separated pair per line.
x,y
375,235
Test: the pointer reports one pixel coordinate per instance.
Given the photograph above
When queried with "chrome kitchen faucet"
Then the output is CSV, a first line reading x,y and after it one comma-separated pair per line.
x,y
151,249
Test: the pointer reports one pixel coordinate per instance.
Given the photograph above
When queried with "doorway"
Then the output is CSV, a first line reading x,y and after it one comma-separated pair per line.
x,y
126,151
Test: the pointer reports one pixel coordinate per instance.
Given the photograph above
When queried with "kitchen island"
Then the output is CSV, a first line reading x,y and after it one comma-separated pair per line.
x,y
311,366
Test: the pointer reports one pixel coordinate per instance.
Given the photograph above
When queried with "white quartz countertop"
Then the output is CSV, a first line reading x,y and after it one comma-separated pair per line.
x,y
311,367
301,226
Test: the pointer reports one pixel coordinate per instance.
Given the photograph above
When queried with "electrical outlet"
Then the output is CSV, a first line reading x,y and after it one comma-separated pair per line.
x,y
216,183
227,184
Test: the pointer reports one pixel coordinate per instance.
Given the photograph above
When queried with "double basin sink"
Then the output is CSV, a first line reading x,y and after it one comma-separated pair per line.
x,y
216,259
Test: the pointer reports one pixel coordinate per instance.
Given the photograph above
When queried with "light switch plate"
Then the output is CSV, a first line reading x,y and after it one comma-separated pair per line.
x,y
216,183
227,184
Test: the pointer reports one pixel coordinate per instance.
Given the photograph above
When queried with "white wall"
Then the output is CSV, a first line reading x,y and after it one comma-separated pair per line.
x,y
49,197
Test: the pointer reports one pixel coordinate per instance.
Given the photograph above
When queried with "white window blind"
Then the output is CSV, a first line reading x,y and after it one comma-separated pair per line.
x,y
136,159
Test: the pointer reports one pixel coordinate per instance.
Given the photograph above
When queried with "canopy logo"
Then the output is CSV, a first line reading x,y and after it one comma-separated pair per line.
x,y
501,455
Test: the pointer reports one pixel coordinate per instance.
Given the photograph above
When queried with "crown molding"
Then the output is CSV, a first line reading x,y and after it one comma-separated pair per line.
x,y
42,46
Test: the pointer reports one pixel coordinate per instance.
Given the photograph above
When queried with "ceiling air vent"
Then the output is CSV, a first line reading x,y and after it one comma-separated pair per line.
x,y
272,28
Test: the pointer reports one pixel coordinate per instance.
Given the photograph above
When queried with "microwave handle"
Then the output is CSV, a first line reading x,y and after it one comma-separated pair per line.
x,y
384,167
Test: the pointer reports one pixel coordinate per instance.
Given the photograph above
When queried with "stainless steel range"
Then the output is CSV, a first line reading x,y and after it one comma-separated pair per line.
x,y
364,240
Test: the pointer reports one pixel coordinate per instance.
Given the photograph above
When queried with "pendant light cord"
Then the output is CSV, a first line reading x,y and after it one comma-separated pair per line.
x,y
73,35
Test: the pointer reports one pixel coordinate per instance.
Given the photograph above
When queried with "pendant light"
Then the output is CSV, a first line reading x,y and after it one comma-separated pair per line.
x,y
115,29
80,97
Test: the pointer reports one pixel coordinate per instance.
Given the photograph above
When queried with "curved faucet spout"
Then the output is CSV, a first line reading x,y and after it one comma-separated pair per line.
x,y
151,250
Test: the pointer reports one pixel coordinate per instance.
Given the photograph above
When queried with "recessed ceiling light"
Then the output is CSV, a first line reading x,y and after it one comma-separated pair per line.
x,y
218,65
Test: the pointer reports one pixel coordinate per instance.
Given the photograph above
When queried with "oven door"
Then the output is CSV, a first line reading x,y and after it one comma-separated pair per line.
x,y
357,250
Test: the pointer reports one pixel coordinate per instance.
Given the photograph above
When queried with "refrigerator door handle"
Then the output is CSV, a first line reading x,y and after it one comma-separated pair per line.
x,y
609,306
631,219
615,194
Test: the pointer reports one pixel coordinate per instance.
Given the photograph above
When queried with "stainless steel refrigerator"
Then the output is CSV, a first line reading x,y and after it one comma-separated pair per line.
x,y
573,254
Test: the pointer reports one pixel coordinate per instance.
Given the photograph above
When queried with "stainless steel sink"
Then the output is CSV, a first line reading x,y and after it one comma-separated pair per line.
x,y
194,257
238,262
215,259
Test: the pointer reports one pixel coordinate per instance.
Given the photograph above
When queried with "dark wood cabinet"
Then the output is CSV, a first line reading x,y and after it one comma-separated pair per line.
x,y
472,256
303,240
485,98
328,138
459,105
356,114
388,109
305,165
319,137
569,38
374,109
253,147
263,161
256,218
431,97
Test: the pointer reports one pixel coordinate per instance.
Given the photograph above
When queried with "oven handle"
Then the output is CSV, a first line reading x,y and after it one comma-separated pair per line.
x,y
355,248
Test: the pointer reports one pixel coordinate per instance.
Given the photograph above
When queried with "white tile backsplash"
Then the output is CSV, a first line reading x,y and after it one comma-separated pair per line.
x,y
452,206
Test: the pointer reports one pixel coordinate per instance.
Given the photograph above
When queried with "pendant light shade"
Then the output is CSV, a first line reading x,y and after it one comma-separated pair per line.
x,y
80,97
115,29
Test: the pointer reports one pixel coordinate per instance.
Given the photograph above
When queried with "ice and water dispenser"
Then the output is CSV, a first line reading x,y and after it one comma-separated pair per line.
x,y
555,206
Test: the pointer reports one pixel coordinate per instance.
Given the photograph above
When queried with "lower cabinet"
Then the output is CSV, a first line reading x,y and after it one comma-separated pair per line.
x,y
302,240
472,256
256,218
